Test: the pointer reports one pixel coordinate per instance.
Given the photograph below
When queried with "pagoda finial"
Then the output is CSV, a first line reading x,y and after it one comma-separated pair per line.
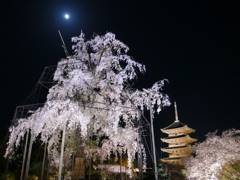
x,y
176,113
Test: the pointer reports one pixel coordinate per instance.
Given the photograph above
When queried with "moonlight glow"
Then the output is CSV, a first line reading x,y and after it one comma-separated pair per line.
x,y
66,16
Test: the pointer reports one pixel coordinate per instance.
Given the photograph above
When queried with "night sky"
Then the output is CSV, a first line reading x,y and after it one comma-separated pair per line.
x,y
193,44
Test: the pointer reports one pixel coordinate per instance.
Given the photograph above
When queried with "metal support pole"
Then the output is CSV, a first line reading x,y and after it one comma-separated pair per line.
x,y
6,172
29,156
153,141
48,166
152,134
120,166
73,158
140,148
62,149
90,164
90,160
24,155
140,161
64,46
43,164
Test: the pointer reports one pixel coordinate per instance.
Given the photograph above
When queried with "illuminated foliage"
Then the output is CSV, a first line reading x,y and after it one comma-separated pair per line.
x,y
94,97
213,154
230,171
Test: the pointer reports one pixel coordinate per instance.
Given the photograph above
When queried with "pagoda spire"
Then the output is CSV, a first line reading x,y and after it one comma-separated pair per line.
x,y
176,113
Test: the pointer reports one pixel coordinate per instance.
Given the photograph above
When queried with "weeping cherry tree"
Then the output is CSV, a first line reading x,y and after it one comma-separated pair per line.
x,y
93,96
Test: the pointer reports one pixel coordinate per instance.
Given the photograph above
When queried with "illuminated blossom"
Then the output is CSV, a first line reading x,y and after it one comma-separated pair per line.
x,y
93,95
213,154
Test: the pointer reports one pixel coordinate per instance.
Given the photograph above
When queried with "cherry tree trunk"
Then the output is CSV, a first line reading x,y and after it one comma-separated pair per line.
x,y
79,168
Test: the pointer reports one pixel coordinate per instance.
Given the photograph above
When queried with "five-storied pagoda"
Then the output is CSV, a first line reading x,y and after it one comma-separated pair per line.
x,y
179,141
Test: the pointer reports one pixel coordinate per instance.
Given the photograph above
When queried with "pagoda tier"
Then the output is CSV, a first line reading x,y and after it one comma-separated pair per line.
x,y
179,141
172,160
177,151
177,128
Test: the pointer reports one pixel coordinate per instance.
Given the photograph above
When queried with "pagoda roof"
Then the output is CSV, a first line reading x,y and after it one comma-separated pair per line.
x,y
173,137
177,147
177,128
175,158
172,160
176,124
179,139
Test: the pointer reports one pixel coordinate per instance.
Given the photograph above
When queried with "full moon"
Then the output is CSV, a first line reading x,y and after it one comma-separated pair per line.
x,y
66,16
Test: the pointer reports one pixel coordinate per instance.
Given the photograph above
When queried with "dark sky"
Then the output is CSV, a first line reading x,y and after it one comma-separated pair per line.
x,y
193,44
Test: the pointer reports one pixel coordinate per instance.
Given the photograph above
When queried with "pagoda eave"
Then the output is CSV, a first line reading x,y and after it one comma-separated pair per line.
x,y
181,130
175,141
172,160
177,150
